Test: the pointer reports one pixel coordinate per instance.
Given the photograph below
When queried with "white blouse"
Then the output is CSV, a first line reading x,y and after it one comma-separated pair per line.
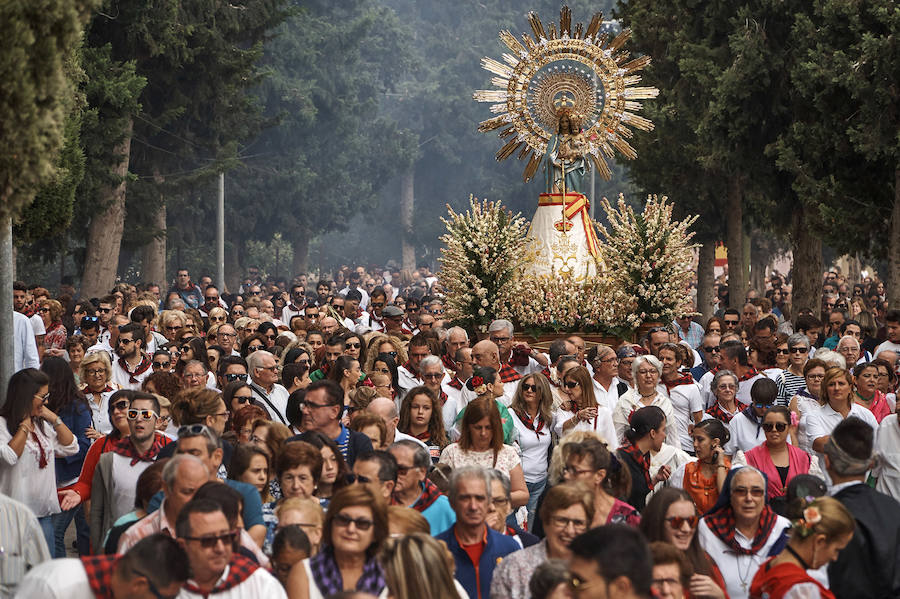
x,y
22,478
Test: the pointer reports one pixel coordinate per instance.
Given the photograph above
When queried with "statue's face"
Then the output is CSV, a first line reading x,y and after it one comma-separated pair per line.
x,y
564,124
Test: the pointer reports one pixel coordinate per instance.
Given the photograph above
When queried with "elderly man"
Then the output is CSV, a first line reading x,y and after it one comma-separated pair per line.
x,y
476,548
328,326
263,370
457,338
485,353
413,489
226,336
870,564
518,359
749,316
386,409
322,407
432,371
711,354
216,568
606,382
181,476
156,567
393,321
848,346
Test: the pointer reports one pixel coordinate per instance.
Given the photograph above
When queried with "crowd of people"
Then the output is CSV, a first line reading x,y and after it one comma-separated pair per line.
x,y
343,439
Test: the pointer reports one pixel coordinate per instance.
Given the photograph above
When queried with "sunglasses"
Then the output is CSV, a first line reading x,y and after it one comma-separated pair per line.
x,y
797,350
161,364
353,346
104,310
361,524
227,538
377,304
711,349
676,522
193,430
762,406
133,414
241,399
120,405
528,387
357,478
231,377
47,310
774,426
571,384
253,348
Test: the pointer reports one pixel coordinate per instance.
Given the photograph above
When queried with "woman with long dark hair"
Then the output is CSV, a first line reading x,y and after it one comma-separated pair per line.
x,y
31,434
646,432
69,402
420,417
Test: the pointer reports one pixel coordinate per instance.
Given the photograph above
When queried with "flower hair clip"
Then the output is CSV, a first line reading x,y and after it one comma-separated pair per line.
x,y
805,526
478,385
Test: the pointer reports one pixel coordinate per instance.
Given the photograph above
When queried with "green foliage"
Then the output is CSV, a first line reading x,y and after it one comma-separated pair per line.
x,y
36,40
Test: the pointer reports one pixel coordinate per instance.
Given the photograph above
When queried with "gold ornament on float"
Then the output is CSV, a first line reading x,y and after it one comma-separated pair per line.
x,y
578,72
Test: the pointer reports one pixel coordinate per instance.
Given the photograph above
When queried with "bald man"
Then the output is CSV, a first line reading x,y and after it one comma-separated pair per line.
x,y
486,353
386,409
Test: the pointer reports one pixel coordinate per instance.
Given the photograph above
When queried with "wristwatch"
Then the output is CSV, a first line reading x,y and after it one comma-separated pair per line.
x,y
58,422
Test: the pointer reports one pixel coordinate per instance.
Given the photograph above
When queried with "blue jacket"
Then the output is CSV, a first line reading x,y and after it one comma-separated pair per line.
x,y
477,582
76,417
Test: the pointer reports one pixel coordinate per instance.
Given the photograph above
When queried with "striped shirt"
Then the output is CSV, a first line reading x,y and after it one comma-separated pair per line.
x,y
788,385
22,544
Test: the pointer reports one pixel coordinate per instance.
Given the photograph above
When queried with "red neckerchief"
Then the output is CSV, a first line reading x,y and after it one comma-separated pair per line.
x,y
443,397
751,372
239,570
456,384
508,374
42,459
87,389
124,447
642,459
510,531
99,570
141,368
430,494
448,362
528,421
722,524
684,379
423,437
408,366
719,413
546,373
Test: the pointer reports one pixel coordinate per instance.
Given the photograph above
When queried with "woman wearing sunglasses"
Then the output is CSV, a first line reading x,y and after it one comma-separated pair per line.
x,y
582,411
671,517
355,347
533,416
779,460
356,525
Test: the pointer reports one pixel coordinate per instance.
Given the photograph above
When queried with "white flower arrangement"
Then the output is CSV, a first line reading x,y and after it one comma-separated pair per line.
x,y
648,262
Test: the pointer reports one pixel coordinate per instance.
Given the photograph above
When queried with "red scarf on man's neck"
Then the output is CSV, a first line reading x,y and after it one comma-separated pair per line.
x,y
239,570
140,369
125,447
684,379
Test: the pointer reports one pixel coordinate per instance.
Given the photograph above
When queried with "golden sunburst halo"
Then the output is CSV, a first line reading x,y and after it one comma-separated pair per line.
x,y
580,64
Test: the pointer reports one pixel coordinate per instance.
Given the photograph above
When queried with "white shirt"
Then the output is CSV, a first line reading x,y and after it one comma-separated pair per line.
x,y
685,401
607,397
631,401
124,483
258,584
37,325
534,448
820,423
22,478
23,542
602,424
745,434
406,381
274,402
364,302
57,579
121,378
25,345
100,411
738,570
287,313
743,392
887,346
398,436
888,448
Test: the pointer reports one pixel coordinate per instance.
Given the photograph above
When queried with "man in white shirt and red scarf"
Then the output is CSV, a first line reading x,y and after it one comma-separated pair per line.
x,y
132,365
453,387
117,471
408,374
457,338
216,569
517,359
377,303
155,567
410,325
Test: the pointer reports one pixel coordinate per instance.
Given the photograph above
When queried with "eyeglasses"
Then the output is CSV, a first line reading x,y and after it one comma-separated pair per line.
x,y
227,538
562,522
120,405
47,310
392,354
412,309
576,471
734,322
133,414
361,524
815,377
755,492
95,372
377,304
121,341
527,387
774,426
797,350
357,478
313,406
433,375
194,430
677,522
161,364
571,384
217,318
731,386
173,328
232,376
500,339
403,470
272,368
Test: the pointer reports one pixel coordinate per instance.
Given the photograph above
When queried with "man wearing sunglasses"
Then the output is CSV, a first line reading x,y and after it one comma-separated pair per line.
x,y
117,471
132,365
297,304
155,568
216,568
231,368
711,354
377,302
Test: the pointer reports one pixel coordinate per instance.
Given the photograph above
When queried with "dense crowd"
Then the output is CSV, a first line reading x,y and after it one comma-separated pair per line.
x,y
342,439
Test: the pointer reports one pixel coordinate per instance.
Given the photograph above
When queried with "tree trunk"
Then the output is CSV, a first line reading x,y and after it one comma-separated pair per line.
x,y
101,257
734,232
893,275
407,204
705,280
300,262
154,253
759,259
807,264
853,269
